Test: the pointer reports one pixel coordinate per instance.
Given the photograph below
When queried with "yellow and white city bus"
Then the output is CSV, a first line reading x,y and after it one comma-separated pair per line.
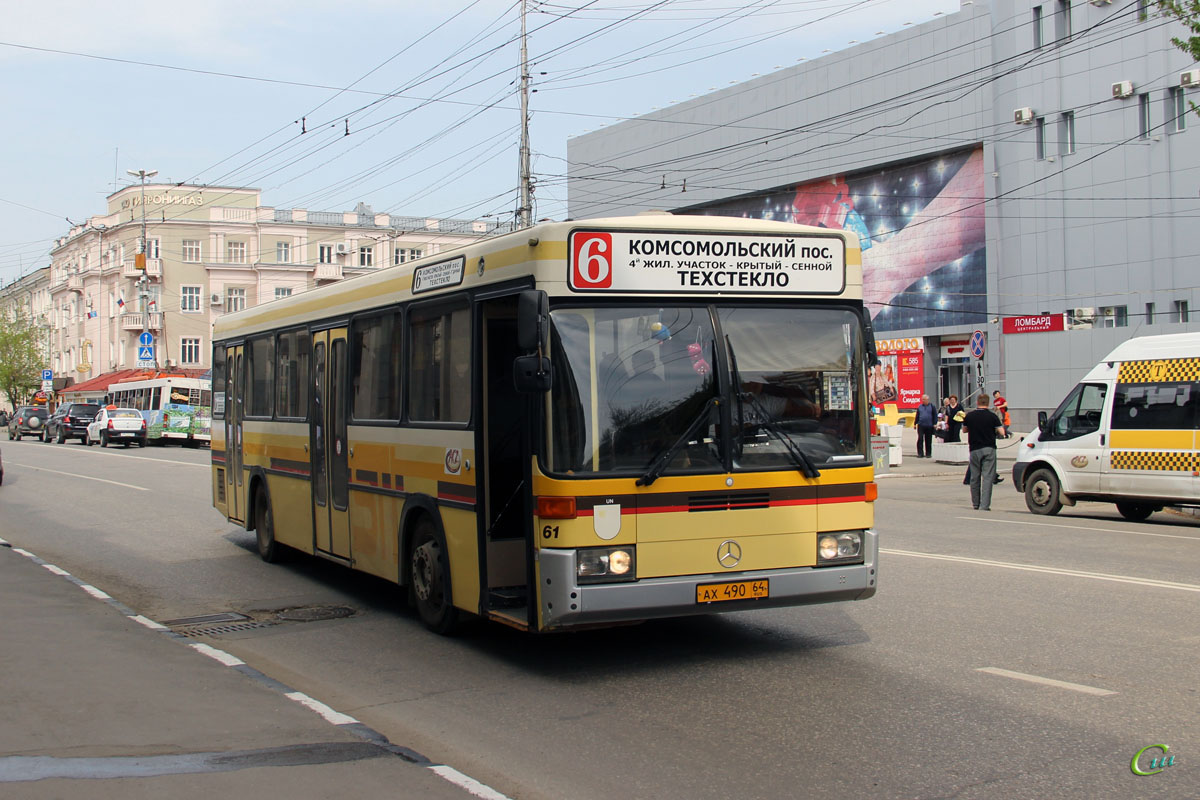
x,y
575,424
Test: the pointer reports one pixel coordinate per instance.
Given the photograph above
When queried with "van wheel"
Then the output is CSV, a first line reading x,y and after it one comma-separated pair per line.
x,y
1041,493
1135,512
264,528
430,576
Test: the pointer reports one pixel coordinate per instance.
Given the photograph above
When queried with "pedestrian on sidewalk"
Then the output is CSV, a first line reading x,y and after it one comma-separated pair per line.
x,y
955,414
1001,406
926,422
982,429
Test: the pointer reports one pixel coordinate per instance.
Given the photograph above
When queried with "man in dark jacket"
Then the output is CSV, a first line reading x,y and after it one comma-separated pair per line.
x,y
982,429
926,422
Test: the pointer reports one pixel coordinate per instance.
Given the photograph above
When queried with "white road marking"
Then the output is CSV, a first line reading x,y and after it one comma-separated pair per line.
x,y
1021,676
23,552
149,623
76,475
1081,528
1074,573
217,655
472,786
56,570
94,592
335,717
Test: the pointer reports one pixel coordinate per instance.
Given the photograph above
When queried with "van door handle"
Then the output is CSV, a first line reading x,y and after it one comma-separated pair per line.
x,y
1102,440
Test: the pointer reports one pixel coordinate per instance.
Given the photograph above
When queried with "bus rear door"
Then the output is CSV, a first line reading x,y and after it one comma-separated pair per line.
x,y
327,439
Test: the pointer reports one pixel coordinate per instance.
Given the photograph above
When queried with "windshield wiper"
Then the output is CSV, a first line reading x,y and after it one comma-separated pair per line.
x,y
660,463
805,464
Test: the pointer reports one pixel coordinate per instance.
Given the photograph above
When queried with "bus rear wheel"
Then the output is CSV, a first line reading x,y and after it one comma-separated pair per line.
x,y
430,579
264,529
1135,512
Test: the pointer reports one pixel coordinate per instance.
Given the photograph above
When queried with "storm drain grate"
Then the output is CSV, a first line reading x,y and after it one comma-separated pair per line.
x,y
195,631
206,619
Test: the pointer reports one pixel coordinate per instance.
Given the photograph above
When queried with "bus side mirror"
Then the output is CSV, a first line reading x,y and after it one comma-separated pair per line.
x,y
533,316
532,374
1042,420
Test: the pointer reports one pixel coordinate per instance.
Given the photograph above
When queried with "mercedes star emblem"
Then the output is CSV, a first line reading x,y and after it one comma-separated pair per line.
x,y
729,553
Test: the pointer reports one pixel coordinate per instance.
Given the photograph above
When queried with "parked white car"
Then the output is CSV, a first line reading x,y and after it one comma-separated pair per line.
x,y
125,425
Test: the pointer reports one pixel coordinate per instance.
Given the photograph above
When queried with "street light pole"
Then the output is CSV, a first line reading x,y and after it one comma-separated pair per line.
x,y
140,260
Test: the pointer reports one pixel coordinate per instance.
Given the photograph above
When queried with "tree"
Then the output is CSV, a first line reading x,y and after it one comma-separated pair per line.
x,y
21,358
1186,12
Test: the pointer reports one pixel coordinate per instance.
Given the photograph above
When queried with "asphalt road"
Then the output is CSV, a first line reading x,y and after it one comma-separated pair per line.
x,y
1005,655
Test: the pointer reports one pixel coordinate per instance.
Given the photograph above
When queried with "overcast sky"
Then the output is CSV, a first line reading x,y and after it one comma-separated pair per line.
x,y
426,90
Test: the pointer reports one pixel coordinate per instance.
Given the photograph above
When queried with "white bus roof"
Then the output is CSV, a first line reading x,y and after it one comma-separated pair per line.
x,y
1144,348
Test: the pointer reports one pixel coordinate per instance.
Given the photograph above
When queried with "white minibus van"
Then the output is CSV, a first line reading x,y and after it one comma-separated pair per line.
x,y
1128,433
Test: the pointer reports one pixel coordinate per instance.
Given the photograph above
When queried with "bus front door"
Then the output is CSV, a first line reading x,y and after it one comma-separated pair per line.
x,y
234,381
327,440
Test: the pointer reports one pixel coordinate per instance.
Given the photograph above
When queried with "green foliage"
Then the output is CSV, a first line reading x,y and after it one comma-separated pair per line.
x,y
1188,13
21,358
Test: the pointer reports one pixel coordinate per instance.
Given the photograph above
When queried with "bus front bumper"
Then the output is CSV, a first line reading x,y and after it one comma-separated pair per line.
x,y
565,603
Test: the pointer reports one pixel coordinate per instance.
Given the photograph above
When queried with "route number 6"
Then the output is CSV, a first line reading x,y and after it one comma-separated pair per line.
x,y
591,261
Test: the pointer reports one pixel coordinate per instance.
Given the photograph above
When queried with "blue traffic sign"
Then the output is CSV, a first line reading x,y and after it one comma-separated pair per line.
x,y
47,374
977,344
145,353
146,340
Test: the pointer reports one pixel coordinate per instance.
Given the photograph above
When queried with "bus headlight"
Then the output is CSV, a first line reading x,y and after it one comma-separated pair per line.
x,y
605,564
843,547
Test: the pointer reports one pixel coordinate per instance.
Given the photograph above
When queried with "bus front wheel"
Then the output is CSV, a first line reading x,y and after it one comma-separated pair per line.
x,y
264,528
1041,493
430,579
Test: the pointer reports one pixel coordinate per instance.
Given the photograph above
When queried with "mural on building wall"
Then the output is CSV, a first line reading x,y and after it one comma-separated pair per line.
x,y
921,225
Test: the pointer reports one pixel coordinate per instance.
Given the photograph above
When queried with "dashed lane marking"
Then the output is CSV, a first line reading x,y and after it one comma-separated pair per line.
x,y
76,475
1081,528
1022,676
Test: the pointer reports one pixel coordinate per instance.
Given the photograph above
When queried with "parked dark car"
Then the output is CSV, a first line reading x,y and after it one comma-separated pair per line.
x,y
70,421
26,421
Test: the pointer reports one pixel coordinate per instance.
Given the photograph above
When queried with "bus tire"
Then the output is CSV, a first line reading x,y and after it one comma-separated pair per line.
x,y
1041,493
429,571
1135,512
269,550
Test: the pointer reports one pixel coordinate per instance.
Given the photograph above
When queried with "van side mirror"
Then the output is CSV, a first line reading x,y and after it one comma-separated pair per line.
x,y
533,317
532,374
1042,421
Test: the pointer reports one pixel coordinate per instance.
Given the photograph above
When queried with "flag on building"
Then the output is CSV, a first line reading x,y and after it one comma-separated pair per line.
x,y
93,314
120,301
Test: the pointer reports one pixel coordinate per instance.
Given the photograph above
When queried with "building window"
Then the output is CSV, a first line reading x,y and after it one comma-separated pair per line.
x,y
402,255
1039,130
282,292
1066,133
1064,19
325,254
1114,317
1037,27
1144,116
235,252
366,256
235,299
1149,313
1143,11
191,251
1176,109
1181,311
283,252
152,248
189,350
189,298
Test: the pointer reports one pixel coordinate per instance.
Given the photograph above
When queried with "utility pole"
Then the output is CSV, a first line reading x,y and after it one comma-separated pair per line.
x,y
140,259
525,209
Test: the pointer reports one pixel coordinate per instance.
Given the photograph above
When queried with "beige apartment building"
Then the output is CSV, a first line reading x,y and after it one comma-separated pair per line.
x,y
209,250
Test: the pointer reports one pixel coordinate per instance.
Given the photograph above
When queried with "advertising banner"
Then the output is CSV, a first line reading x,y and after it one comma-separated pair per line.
x,y
1034,323
900,376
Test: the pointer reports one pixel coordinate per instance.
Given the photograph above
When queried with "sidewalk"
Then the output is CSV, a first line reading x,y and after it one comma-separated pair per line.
x,y
104,705
913,467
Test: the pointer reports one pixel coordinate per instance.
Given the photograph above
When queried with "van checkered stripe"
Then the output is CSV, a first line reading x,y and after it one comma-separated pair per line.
x,y
1163,371
1156,460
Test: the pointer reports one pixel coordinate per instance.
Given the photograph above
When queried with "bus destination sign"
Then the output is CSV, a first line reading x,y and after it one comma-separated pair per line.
x,y
649,261
438,276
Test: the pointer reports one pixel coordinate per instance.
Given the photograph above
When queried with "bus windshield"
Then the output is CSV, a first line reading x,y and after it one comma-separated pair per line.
x,y
630,382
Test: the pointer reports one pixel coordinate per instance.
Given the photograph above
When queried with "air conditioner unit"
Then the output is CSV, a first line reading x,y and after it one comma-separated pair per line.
x,y
1190,79
1122,89
1023,116
1081,317
340,248
214,299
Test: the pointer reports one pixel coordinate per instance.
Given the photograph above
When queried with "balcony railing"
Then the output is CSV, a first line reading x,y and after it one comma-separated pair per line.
x,y
153,268
134,321
75,282
329,272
